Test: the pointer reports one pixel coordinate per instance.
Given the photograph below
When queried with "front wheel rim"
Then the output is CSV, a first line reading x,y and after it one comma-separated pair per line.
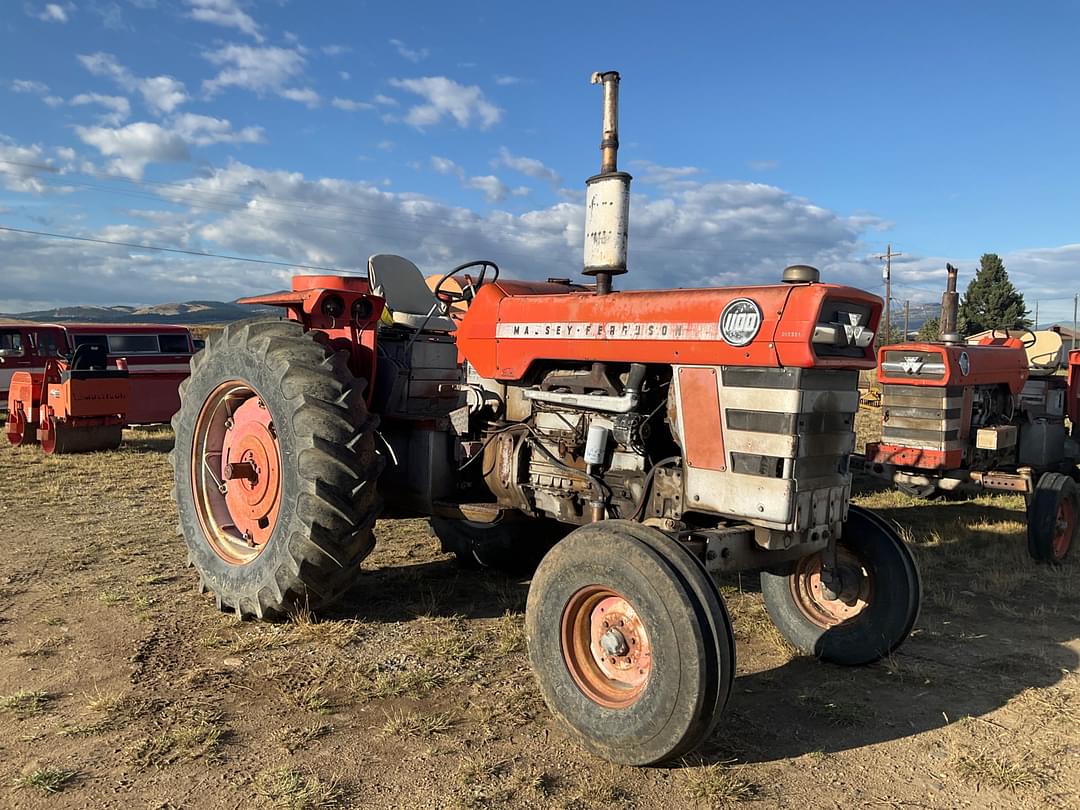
x,y
809,594
236,472
1064,527
606,647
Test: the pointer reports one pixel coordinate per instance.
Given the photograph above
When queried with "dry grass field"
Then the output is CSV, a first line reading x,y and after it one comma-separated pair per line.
x,y
120,686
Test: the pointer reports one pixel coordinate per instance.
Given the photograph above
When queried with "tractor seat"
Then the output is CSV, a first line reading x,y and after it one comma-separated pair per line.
x,y
410,301
1044,356
89,357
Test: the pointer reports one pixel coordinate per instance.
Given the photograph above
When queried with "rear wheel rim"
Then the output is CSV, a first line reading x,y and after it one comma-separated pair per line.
x,y
605,647
809,593
1064,528
236,472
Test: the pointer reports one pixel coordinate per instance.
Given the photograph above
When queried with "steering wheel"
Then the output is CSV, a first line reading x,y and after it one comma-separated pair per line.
x,y
451,297
1028,339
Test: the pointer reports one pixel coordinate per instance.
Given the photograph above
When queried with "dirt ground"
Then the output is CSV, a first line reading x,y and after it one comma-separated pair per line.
x,y
120,686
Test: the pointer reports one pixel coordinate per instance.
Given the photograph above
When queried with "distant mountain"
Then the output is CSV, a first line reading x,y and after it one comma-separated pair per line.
x,y
189,312
917,315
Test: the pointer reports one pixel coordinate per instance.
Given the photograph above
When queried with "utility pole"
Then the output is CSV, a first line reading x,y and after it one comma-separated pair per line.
x,y
1036,314
907,318
888,257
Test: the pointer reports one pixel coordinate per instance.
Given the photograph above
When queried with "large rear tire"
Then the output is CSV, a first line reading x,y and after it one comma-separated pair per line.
x,y
876,609
629,653
275,469
1053,518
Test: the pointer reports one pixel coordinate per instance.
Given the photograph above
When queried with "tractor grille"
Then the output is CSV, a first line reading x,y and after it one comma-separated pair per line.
x,y
922,417
787,435
813,436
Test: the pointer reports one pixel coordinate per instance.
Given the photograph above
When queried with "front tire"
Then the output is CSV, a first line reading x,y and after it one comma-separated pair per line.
x,y
876,609
627,652
1053,518
275,469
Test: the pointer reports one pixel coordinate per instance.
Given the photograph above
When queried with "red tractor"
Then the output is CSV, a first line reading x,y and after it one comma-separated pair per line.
x,y
630,443
990,414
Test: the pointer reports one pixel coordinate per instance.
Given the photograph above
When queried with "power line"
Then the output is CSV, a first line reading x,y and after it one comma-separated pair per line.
x,y
75,238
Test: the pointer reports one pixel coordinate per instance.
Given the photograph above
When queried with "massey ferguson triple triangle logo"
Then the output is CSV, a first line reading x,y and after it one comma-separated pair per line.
x,y
740,321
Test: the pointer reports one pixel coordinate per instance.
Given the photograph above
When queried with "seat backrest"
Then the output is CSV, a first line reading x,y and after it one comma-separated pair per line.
x,y
89,356
401,283
1044,356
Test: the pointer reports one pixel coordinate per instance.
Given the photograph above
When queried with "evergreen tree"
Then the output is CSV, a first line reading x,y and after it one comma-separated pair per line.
x,y
991,300
930,329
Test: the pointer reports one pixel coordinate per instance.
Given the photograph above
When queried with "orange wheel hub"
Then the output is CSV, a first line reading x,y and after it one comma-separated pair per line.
x,y
606,647
251,471
811,598
236,472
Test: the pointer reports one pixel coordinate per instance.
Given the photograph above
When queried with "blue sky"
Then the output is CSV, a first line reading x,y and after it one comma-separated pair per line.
x,y
759,134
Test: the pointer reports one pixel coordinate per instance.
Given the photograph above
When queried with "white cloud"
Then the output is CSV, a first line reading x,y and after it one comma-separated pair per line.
x,y
203,130
505,81
261,70
55,12
413,55
385,101
344,75
445,97
19,166
118,107
385,146
665,176
335,50
493,189
303,95
28,86
530,167
53,101
350,105
134,146
225,13
763,165
163,94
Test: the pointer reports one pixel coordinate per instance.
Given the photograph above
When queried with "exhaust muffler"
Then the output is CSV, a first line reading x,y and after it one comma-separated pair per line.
x,y
607,197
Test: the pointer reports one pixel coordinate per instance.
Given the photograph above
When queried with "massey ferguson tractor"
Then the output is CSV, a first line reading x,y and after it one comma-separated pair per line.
x,y
988,415
644,440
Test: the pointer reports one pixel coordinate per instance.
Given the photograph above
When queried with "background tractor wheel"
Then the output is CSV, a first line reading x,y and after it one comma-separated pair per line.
x,y
876,609
1053,518
511,547
626,652
275,469
20,430
62,439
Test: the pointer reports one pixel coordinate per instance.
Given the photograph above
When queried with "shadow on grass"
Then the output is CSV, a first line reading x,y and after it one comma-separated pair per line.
x,y
969,655
156,439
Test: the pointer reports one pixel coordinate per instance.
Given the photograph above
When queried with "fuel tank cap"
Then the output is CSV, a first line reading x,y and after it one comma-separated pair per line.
x,y
800,274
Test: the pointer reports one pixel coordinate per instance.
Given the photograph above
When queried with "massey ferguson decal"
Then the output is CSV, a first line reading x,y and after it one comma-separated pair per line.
x,y
740,321
632,330
738,325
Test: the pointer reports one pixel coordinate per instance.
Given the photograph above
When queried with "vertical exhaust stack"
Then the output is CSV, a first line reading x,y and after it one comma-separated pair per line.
x,y
950,304
607,197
